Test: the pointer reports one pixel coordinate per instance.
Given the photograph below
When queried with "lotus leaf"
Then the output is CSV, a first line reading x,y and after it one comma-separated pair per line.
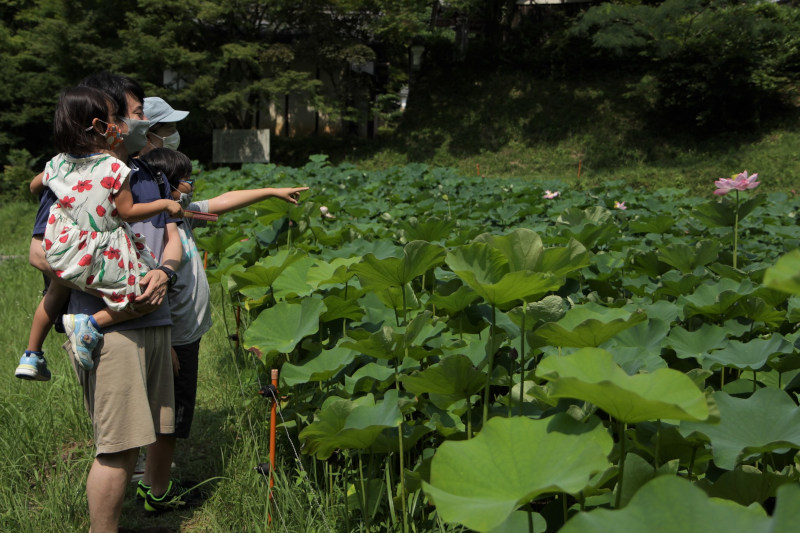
x,y
697,343
431,230
590,374
716,299
669,504
452,379
480,482
418,258
350,424
588,325
263,274
687,258
561,260
366,377
486,270
522,248
785,274
768,420
520,521
455,301
750,355
337,271
320,368
748,485
280,328
218,242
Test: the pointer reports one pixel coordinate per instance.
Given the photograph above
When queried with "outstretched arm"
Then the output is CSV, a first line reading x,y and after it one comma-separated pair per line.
x,y
237,199
131,212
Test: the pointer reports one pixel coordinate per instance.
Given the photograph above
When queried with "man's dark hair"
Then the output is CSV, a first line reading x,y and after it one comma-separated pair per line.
x,y
116,86
175,165
77,107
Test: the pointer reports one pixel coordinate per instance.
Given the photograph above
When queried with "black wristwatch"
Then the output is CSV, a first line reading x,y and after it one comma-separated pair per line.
x,y
172,277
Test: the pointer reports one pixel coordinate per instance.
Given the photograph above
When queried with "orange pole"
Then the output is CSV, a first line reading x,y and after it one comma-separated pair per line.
x,y
205,260
272,416
580,162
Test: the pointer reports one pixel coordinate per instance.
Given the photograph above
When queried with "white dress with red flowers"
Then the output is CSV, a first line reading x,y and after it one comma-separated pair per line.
x,y
85,241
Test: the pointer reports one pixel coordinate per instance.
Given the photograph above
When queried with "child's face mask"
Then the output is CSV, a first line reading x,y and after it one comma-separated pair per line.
x,y
112,134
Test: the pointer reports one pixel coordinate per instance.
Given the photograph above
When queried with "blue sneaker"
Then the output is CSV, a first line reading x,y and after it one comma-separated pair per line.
x,y
83,337
33,366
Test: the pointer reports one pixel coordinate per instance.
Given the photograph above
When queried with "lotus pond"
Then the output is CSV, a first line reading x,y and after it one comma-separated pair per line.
x,y
501,355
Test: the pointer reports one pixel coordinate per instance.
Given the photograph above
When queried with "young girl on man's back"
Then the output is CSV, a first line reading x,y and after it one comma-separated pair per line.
x,y
88,242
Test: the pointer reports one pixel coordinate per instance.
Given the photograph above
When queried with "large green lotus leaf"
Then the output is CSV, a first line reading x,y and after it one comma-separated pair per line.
x,y
522,248
387,440
766,421
292,283
747,484
561,260
486,270
590,374
280,328
480,482
674,283
432,229
453,378
475,347
647,334
551,308
519,522
321,368
687,258
455,301
418,258
380,344
669,504
220,241
697,343
716,299
758,310
785,274
337,307
264,273
750,355
337,271
658,224
588,325
350,424
368,376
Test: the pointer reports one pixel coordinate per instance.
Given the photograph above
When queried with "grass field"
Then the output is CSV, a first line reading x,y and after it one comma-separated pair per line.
x,y
46,437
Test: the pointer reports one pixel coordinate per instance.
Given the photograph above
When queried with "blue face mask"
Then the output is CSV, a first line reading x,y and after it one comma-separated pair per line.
x,y
185,199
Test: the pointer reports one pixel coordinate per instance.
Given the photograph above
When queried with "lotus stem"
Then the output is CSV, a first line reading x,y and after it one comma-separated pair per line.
x,y
736,230
522,359
530,521
691,461
363,495
658,446
400,446
489,369
403,295
622,451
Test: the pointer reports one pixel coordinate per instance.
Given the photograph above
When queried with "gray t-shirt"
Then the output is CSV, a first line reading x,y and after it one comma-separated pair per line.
x,y
189,297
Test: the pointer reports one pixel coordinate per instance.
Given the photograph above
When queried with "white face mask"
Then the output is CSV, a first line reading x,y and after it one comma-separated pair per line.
x,y
171,141
136,138
185,199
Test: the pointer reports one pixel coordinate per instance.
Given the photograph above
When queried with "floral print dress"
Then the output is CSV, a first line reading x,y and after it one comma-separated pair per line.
x,y
85,241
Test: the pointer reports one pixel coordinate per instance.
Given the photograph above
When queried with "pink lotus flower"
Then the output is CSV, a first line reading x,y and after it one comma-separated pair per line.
x,y
741,182
549,195
620,205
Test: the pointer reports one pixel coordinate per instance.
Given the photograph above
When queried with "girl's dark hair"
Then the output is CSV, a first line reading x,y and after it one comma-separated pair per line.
x,y
77,107
175,165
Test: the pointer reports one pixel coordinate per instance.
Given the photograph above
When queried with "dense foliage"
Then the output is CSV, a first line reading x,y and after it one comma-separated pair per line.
x,y
516,355
706,63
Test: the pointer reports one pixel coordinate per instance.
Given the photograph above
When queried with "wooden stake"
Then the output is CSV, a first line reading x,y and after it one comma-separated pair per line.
x,y
580,163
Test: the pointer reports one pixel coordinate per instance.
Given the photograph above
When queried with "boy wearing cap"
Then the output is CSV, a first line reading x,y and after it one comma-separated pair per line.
x,y
163,132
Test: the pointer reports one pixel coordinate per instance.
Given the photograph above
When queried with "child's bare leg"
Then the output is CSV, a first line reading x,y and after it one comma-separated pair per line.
x,y
46,313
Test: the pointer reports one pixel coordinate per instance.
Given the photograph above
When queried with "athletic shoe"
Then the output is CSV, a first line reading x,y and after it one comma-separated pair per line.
x,y
141,491
33,366
173,499
83,337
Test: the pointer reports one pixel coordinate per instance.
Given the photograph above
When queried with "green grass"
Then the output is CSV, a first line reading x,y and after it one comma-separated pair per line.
x,y
520,124
46,435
